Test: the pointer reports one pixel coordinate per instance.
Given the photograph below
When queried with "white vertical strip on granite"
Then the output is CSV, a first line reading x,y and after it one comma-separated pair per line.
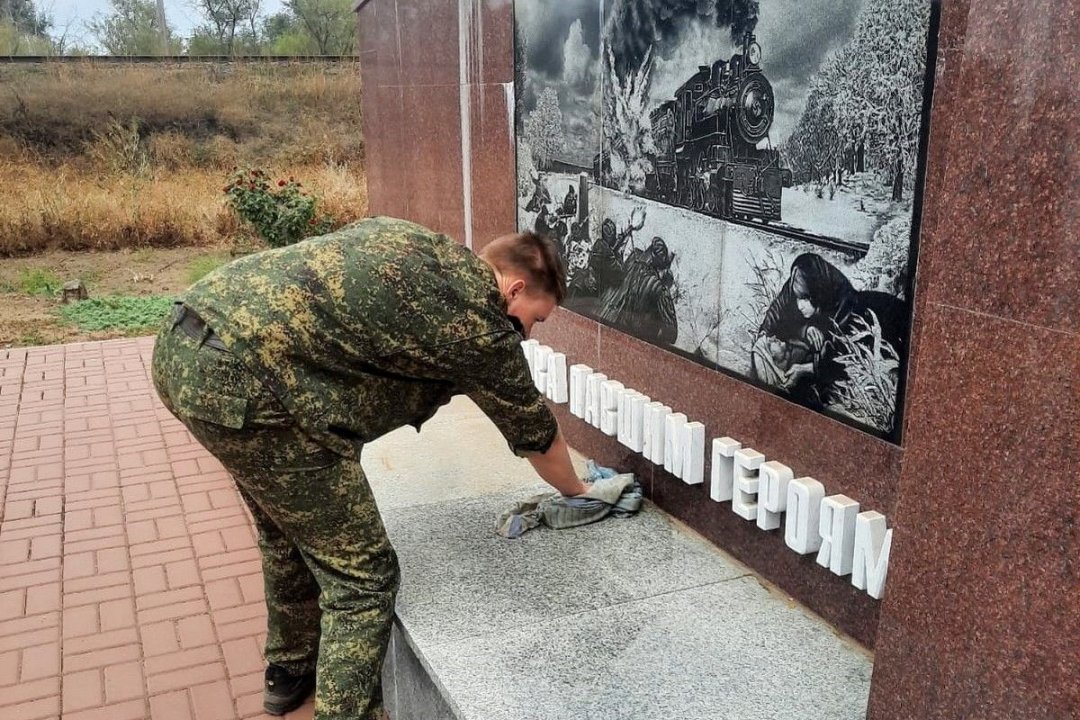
x,y
465,29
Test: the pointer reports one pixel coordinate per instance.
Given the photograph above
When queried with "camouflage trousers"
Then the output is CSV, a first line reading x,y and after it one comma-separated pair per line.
x,y
330,573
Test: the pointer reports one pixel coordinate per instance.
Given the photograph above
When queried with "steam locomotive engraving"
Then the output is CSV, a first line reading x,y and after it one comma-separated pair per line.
x,y
707,138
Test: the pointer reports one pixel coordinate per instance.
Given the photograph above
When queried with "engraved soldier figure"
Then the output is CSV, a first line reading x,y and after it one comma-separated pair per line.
x,y
541,197
643,303
283,364
606,265
569,203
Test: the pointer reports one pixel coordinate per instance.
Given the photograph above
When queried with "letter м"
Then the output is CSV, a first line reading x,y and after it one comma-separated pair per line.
x,y
871,555
578,376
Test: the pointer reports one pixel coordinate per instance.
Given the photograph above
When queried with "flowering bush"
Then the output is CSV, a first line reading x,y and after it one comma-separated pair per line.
x,y
281,213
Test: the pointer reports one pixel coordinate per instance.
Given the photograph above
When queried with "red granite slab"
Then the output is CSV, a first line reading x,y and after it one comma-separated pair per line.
x,y
1012,215
382,139
980,614
489,41
492,164
429,158
428,33
376,25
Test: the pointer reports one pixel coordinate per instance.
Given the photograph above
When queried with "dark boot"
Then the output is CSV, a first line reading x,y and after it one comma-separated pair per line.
x,y
285,692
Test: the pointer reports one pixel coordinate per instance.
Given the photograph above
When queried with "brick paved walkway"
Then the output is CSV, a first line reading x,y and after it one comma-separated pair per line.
x,y
130,584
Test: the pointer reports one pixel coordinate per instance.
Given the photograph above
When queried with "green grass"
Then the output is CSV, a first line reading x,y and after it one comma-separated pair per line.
x,y
38,281
203,266
32,338
121,312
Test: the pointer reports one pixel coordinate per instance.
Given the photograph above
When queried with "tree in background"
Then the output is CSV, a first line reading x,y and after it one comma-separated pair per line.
x,y
131,29
23,29
284,34
864,106
232,27
23,15
544,129
331,24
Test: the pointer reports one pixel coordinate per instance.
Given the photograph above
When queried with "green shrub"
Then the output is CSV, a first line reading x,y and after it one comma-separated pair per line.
x,y
38,281
281,213
119,312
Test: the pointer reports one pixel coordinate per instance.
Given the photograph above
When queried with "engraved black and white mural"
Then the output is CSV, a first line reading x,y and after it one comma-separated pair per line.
x,y
735,180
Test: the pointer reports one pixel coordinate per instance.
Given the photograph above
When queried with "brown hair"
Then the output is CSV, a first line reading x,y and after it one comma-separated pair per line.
x,y
532,255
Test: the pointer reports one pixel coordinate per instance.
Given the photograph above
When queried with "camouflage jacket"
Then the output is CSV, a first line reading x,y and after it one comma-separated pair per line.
x,y
374,327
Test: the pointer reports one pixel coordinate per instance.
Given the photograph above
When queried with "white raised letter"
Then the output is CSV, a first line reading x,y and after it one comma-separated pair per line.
x,y
871,556
837,529
624,423
578,376
652,431
556,386
693,454
541,357
747,462
674,426
637,421
609,406
803,511
592,398
722,478
772,494
529,348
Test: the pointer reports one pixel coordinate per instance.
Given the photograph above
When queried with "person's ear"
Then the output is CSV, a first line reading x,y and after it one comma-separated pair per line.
x,y
515,288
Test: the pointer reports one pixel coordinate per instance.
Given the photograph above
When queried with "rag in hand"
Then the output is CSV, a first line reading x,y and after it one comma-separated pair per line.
x,y
611,493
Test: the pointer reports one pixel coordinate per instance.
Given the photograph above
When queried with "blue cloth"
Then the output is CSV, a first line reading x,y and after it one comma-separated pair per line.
x,y
610,494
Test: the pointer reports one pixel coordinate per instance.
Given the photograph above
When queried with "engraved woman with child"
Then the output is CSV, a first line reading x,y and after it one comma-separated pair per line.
x,y
799,342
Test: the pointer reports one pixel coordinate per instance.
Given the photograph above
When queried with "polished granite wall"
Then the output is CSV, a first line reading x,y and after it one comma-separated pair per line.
x,y
981,616
974,622
433,73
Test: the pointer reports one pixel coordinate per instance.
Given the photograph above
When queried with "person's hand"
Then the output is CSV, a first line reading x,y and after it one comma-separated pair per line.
x,y
796,373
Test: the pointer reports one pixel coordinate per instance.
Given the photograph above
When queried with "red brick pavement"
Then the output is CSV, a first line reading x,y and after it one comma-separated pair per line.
x,y
130,584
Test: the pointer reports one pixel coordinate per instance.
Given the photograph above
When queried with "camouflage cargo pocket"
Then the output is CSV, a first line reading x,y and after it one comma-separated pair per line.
x,y
211,407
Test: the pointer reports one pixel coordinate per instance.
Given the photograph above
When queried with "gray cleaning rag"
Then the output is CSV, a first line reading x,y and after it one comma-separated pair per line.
x,y
611,494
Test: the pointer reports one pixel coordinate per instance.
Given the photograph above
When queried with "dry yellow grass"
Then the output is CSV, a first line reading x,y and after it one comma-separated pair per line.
x,y
109,157
62,208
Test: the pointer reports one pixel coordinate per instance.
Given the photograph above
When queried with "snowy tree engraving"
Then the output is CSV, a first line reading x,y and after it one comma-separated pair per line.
x,y
544,129
865,104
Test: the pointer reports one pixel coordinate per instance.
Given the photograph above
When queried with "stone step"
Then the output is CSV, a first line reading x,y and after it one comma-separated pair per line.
x,y
628,618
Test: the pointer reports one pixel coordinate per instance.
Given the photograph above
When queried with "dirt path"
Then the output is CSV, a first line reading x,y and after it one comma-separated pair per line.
x,y
33,319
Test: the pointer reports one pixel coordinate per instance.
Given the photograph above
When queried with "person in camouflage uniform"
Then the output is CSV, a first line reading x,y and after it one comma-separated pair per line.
x,y
283,364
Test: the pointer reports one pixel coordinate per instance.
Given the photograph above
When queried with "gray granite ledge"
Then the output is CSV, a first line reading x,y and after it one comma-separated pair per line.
x,y
628,618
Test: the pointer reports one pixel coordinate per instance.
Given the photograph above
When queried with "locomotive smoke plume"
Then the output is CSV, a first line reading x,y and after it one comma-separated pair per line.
x,y
636,25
